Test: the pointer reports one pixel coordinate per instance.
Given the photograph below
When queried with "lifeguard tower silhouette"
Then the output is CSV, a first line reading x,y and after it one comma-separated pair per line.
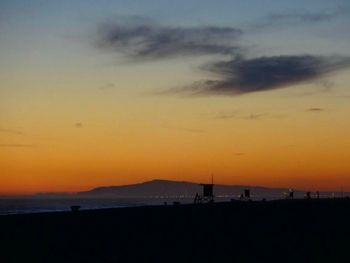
x,y
208,193
246,195
290,194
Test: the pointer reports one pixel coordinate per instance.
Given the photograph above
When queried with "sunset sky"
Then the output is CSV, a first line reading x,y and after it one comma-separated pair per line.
x,y
110,92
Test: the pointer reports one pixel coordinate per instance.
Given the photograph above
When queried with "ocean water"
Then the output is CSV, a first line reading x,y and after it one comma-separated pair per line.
x,y
40,205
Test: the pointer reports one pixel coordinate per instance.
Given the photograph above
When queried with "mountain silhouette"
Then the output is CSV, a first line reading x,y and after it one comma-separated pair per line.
x,y
167,188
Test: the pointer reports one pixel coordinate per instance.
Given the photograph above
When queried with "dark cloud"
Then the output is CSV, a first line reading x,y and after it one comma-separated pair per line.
x,y
298,18
141,38
315,109
78,125
240,76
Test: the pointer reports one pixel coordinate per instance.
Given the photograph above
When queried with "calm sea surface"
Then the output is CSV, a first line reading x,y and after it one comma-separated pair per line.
x,y
38,205
52,204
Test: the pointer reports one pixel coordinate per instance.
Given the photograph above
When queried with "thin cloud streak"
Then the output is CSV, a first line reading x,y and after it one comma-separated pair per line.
x,y
108,86
315,110
184,129
16,132
252,116
297,18
255,116
16,145
226,115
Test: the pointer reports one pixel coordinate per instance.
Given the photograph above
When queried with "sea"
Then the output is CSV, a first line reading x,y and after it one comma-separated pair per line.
x,y
11,205
40,204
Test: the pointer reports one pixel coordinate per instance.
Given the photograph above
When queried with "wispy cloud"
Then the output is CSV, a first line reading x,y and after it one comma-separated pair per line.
x,y
144,39
297,18
315,110
184,129
78,125
226,115
255,116
16,145
241,76
240,116
16,132
107,86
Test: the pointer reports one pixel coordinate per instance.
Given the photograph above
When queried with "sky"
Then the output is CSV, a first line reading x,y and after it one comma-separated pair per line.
x,y
96,93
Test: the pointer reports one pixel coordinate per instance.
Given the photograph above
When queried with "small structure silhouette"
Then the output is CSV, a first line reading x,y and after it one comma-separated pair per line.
x,y
246,195
208,193
75,208
291,194
308,195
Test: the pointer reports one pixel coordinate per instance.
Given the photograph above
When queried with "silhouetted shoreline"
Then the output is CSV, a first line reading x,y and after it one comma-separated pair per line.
x,y
240,231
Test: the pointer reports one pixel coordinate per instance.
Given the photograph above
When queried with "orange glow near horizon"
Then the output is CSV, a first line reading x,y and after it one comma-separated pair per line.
x,y
271,152
74,115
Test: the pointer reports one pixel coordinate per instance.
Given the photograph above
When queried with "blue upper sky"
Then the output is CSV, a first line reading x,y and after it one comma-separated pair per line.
x,y
276,26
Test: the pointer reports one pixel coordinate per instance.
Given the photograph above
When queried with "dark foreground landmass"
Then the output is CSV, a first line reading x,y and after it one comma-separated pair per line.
x,y
277,231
